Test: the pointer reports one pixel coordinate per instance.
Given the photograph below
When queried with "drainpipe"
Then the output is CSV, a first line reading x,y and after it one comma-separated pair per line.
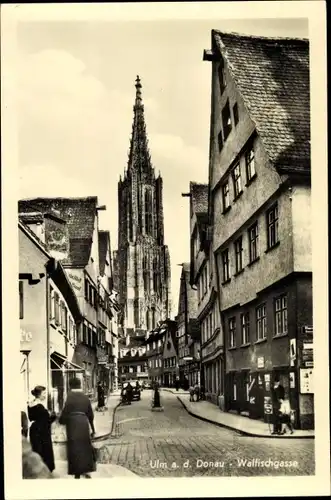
x,y
48,353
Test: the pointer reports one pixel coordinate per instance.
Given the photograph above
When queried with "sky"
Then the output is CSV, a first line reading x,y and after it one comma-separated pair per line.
x,y
75,91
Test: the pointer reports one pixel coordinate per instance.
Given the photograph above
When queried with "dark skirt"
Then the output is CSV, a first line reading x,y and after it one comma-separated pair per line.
x,y
80,453
41,443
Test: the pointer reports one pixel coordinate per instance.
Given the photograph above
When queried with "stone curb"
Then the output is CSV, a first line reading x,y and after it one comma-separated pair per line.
x,y
174,391
240,431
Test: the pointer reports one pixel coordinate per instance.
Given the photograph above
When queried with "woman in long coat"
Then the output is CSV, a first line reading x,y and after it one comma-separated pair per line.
x,y
77,416
40,430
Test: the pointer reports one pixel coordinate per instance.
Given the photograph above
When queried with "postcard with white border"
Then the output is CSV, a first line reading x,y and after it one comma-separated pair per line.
x,y
164,229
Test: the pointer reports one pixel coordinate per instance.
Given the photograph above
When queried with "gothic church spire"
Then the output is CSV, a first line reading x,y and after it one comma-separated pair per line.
x,y
139,156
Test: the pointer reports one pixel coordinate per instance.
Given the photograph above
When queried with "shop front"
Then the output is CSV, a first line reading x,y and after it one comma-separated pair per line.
x,y
62,371
85,357
212,372
103,367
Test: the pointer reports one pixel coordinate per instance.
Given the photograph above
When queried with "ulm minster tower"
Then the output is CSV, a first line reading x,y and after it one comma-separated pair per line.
x,y
143,262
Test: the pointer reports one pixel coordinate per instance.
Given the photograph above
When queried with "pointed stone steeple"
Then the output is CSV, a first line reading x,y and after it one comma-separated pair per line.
x,y
139,156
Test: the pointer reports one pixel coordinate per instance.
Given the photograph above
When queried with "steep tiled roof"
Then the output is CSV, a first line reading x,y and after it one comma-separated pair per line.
x,y
104,240
272,76
199,197
79,214
33,236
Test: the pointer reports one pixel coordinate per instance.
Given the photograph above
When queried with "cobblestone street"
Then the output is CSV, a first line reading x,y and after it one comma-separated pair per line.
x,y
173,443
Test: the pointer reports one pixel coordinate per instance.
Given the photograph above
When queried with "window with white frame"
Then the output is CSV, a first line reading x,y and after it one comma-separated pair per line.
x,y
250,165
232,332
245,329
261,322
238,247
226,195
253,242
281,315
272,226
237,184
225,265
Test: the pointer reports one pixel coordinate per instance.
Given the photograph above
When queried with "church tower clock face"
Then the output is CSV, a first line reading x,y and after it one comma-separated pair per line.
x,y
143,258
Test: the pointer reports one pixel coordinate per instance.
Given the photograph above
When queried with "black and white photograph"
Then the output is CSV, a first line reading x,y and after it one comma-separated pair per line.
x,y
168,317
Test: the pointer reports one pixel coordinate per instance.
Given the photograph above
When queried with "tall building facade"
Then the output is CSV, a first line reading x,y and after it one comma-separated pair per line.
x,y
260,207
143,262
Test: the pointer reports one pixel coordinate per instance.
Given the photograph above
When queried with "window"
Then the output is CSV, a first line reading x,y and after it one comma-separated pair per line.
x,y
155,280
253,242
238,247
225,196
261,322
245,333
220,141
74,334
52,307
148,213
221,74
236,174
272,226
235,114
64,319
20,289
146,274
226,120
153,318
57,308
86,288
250,165
232,332
225,265
281,315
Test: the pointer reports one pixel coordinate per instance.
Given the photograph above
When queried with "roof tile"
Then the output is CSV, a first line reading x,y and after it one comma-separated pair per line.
x,y
272,75
79,214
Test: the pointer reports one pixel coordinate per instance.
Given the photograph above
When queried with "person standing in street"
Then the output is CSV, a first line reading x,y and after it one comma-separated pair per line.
x,y
101,396
40,430
278,396
129,393
77,416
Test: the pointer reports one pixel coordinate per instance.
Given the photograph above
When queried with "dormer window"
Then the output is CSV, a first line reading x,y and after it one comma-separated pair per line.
x,y
226,120
236,175
250,165
235,114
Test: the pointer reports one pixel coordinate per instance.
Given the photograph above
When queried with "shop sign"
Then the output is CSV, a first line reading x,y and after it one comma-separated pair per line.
x,y
25,337
260,362
76,281
306,381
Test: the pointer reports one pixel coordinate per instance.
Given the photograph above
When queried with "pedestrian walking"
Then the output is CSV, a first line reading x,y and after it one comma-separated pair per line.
x,y
278,395
101,396
40,430
286,415
177,384
77,416
191,391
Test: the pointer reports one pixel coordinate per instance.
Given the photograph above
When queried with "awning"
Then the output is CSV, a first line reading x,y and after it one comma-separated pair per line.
x,y
63,359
